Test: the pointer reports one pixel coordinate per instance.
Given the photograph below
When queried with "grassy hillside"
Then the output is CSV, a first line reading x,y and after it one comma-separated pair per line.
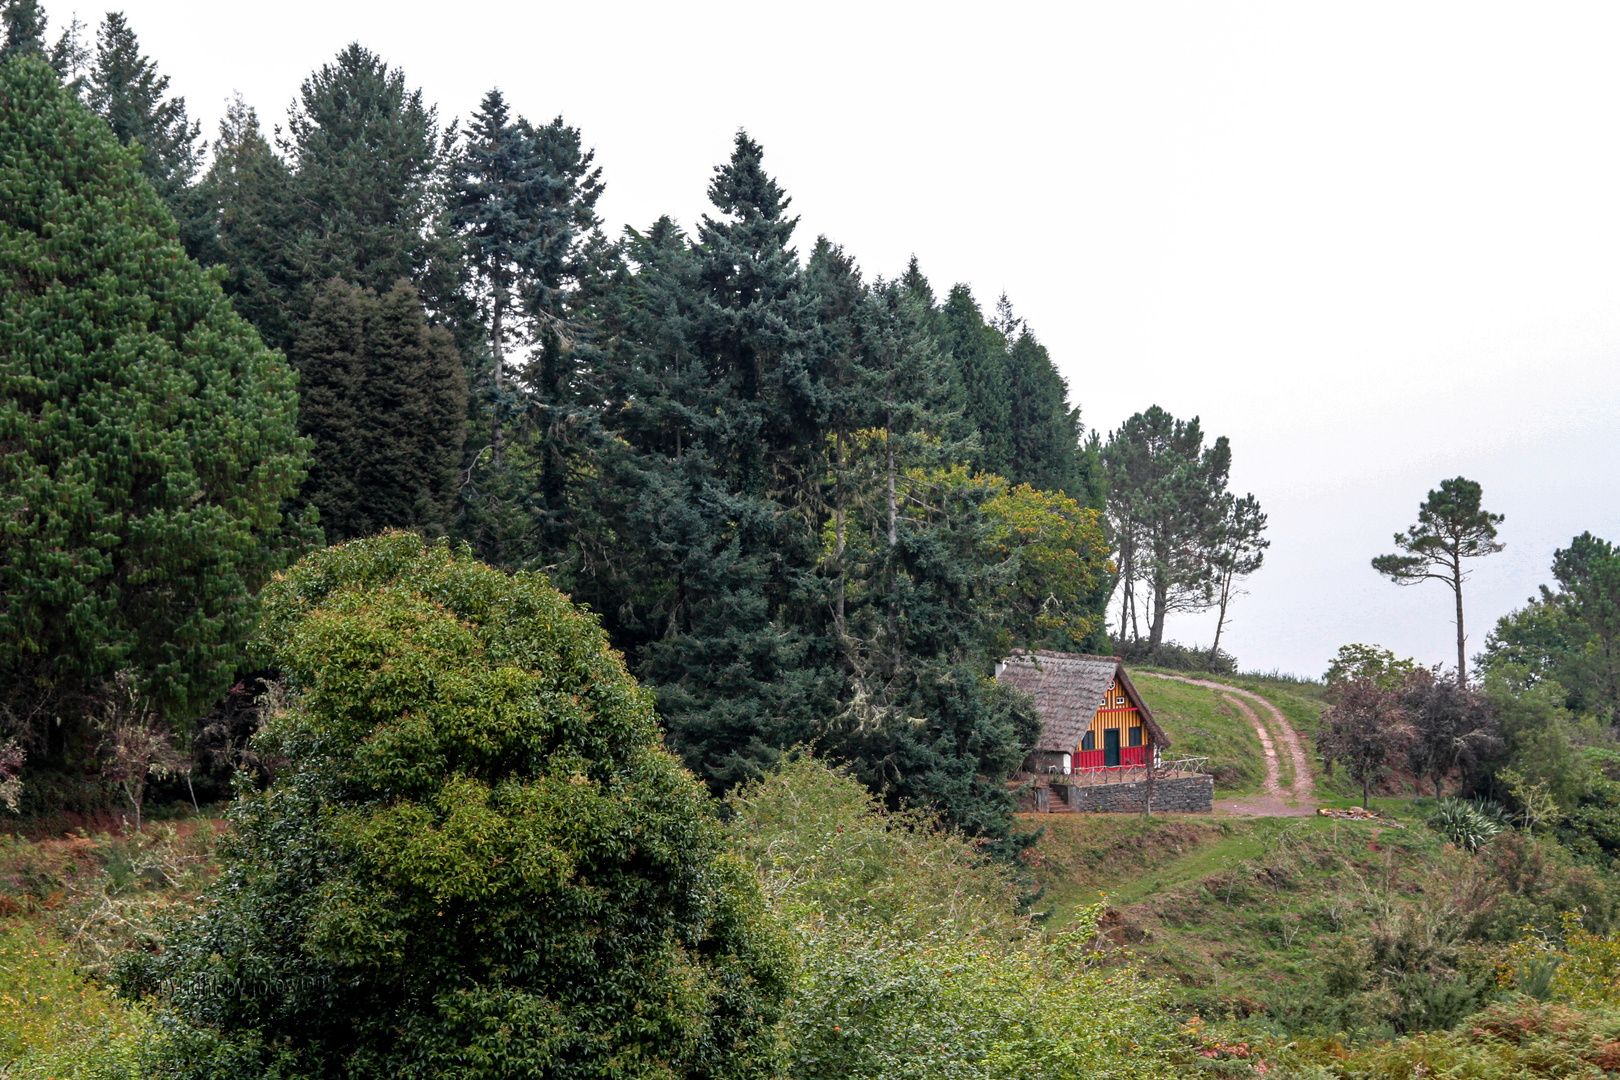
x,y
1201,722
1311,924
1302,703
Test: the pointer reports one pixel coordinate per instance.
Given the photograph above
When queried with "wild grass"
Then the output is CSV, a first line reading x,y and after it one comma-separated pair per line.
x,y
55,1020
1200,722
102,893
1308,927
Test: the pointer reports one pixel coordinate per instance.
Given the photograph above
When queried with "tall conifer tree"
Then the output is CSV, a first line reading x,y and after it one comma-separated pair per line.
x,y
148,448
564,402
244,220
24,22
1167,498
366,156
497,179
919,718
126,90
385,402
1045,433
983,392
524,206
740,672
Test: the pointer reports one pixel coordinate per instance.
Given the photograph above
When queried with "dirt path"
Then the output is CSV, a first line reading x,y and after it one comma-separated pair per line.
x,y
1274,800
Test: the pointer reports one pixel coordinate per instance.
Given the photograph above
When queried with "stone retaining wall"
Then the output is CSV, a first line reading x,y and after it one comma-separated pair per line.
x,y
1174,795
1177,795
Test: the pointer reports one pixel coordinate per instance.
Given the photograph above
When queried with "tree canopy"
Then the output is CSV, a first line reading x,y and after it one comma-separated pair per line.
x,y
808,502
126,90
148,443
1451,527
1569,636
385,403
477,861
1169,506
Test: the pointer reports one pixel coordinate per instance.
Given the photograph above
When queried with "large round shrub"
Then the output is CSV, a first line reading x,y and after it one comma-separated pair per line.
x,y
148,439
477,861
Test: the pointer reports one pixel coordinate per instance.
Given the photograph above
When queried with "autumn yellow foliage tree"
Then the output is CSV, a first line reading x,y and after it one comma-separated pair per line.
x,y
1063,575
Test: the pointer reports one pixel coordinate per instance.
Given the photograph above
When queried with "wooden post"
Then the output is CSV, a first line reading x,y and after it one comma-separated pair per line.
x,y
1152,781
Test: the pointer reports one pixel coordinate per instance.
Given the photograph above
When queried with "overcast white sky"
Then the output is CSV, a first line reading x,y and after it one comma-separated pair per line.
x,y
1376,245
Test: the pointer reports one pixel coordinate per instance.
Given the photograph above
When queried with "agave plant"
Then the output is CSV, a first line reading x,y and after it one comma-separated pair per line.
x,y
1464,824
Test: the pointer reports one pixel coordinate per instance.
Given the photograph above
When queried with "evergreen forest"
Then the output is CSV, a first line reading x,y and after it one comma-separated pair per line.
x,y
811,505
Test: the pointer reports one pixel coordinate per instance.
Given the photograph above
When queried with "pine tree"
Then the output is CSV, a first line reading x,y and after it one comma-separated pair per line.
x,y
920,718
799,561
497,179
654,391
244,220
366,157
1451,527
979,378
149,438
563,399
1239,551
25,22
524,206
126,90
385,404
415,396
1044,432
750,331
70,57
330,356
1166,502
840,296
739,668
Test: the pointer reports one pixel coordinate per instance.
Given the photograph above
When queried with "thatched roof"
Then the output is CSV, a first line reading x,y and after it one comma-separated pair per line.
x,y
1068,689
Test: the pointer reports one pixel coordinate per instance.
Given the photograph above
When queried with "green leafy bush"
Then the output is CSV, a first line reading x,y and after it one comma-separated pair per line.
x,y
915,960
478,861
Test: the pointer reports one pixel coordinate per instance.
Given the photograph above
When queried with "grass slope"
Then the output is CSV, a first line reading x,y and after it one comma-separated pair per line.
x,y
1201,722
1303,703
1312,924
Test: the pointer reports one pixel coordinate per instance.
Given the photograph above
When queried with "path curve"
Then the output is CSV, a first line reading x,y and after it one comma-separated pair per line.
x,y
1274,801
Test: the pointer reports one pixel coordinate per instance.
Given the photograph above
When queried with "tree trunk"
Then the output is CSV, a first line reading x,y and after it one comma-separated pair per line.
x,y
1220,621
1462,639
838,545
894,535
1366,792
496,334
553,462
1161,600
1127,585
1152,783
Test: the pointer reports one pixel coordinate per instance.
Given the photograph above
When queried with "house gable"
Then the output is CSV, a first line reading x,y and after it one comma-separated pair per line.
x,y
1075,694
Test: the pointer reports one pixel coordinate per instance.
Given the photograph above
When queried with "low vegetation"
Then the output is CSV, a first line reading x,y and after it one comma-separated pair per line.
x,y
56,1021
915,957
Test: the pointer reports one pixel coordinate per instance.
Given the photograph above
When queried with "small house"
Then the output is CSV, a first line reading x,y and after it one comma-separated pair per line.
x,y
1097,731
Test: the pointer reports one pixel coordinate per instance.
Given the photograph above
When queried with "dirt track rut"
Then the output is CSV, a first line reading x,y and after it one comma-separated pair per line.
x,y
1275,800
